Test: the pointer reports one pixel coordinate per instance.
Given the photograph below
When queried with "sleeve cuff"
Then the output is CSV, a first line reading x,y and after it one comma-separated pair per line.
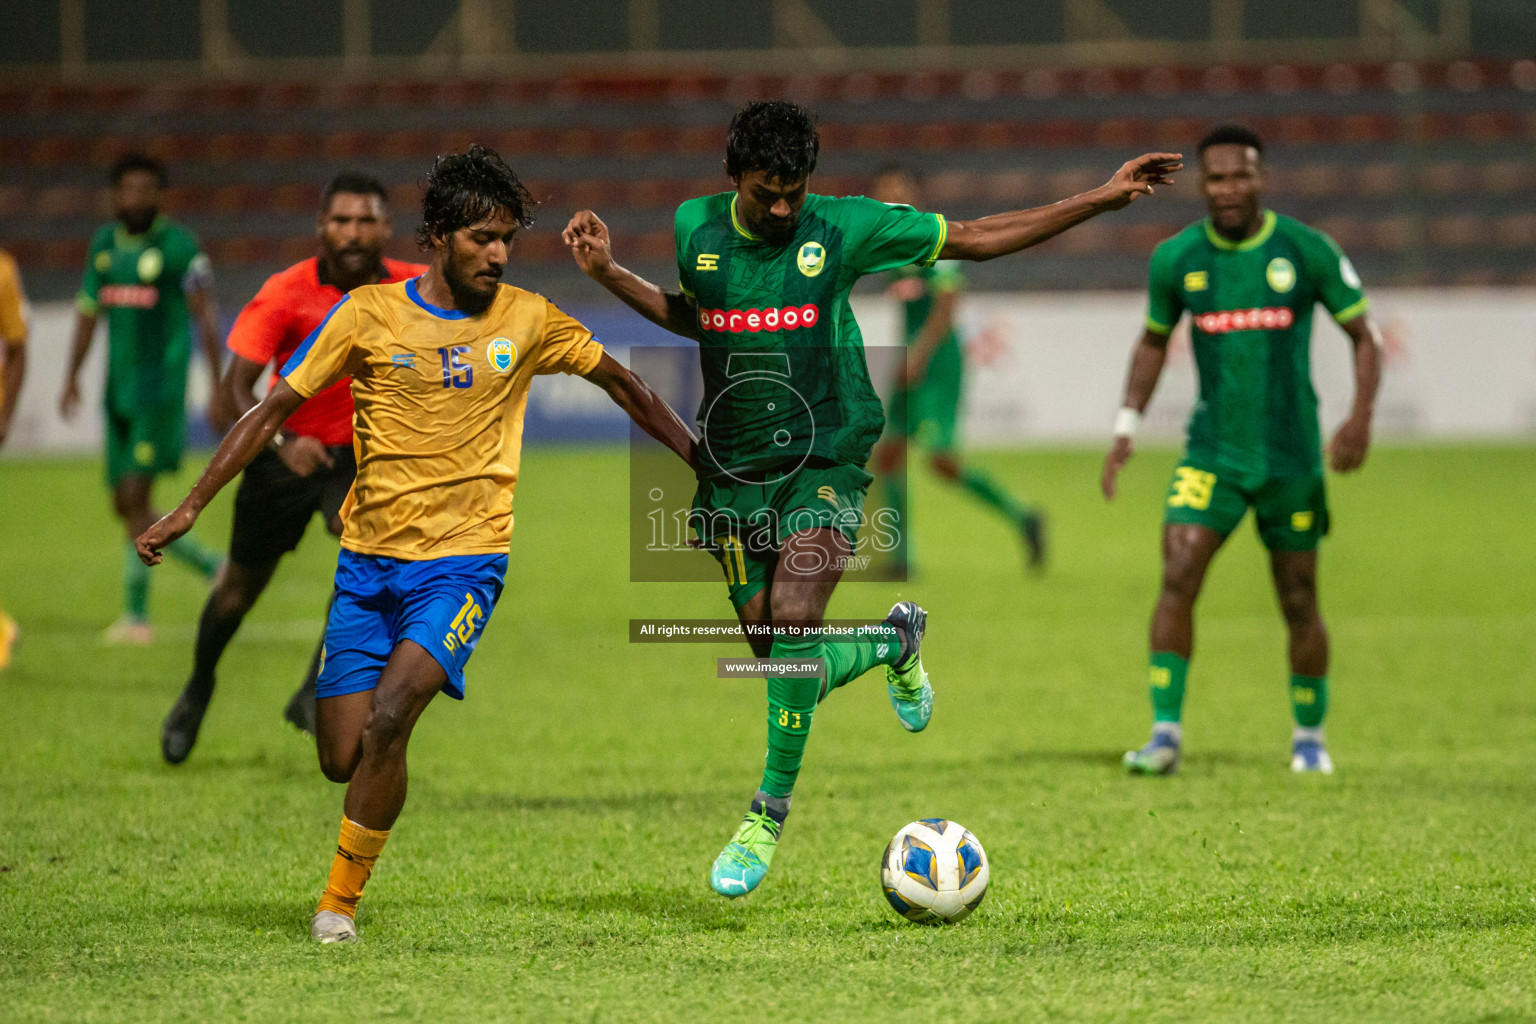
x,y
299,389
592,354
1157,328
939,245
1348,313
87,305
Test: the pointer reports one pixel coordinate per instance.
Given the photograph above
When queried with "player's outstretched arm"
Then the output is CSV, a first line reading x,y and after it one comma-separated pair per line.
x,y
645,407
592,247
1347,450
250,434
1146,367
1006,233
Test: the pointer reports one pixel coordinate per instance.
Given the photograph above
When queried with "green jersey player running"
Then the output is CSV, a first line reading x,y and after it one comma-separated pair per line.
x,y
1249,279
925,408
788,415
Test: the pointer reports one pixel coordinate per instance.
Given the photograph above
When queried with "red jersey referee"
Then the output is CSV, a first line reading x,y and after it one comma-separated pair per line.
x,y
310,467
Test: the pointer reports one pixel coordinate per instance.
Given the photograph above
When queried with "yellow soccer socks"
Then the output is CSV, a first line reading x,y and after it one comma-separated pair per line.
x,y
356,851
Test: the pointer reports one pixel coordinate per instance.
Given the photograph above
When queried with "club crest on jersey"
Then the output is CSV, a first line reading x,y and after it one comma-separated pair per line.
x,y
812,259
1347,272
501,354
151,262
1281,274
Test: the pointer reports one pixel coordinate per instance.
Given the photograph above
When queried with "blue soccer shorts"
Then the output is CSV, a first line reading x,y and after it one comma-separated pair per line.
x,y
440,603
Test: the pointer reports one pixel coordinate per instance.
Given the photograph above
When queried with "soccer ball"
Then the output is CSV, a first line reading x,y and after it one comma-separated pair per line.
x,y
934,872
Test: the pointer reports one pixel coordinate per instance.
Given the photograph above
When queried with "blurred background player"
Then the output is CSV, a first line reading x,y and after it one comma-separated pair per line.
x,y
925,407
151,277
767,268
441,367
13,366
1249,279
310,465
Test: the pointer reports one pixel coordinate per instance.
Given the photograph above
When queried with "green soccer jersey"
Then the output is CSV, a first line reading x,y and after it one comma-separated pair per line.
x,y
141,282
1250,306
785,379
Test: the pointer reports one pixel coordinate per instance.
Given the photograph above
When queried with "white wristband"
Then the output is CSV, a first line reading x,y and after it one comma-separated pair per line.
x,y
1126,422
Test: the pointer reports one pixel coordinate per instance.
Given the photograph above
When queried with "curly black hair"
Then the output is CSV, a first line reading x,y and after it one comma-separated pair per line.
x,y
1231,135
775,136
128,163
466,188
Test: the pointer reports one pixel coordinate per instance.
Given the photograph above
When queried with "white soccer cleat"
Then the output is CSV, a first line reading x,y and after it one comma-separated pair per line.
x,y
329,926
1309,755
128,631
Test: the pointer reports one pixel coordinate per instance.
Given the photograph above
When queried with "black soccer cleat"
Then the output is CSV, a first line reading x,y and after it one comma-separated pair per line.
x,y
179,733
300,712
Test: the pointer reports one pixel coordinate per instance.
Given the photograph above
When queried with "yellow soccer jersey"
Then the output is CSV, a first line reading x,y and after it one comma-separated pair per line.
x,y
439,402
13,302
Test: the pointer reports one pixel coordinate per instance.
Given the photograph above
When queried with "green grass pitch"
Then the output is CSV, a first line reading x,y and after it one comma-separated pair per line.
x,y
551,861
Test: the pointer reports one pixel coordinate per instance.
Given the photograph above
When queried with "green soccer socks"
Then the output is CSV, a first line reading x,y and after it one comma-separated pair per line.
x,y
793,700
190,551
135,586
980,483
1165,677
1309,700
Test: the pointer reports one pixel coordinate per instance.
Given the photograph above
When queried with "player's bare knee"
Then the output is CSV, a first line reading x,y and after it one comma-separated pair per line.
x,y
337,766
1181,579
129,504
388,726
1298,602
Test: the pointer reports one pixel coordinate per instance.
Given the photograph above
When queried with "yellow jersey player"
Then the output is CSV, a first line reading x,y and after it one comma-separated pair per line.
x,y
440,366
13,364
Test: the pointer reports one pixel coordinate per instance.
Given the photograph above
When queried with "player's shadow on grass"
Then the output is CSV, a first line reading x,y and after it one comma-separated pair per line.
x,y
604,804
281,919
1111,758
689,907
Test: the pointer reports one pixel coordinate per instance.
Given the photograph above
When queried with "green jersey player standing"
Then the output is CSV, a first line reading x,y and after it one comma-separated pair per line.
x,y
150,277
925,407
789,417
1250,280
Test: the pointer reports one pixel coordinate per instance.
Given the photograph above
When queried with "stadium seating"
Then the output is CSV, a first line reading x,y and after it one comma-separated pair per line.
x,y
1420,171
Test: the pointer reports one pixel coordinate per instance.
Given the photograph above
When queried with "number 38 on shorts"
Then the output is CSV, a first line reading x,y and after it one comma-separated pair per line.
x,y
1291,512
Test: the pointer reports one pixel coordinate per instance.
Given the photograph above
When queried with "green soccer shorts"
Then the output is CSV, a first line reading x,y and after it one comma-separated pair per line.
x,y
147,442
745,524
929,414
1291,512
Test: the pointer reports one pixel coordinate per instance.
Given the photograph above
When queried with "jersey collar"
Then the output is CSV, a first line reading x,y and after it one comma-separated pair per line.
x,y
736,223
1253,241
437,311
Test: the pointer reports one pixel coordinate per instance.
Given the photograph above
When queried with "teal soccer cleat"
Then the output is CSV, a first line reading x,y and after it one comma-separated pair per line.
x,y
745,860
906,681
